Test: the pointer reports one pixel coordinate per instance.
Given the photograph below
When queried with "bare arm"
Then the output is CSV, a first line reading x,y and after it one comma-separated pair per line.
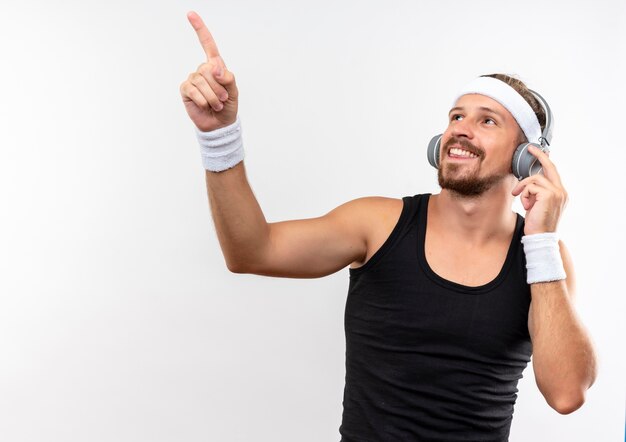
x,y
298,249
240,224
302,248
564,359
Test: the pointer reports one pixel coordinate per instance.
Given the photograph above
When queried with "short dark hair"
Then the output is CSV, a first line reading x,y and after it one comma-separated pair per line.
x,y
522,89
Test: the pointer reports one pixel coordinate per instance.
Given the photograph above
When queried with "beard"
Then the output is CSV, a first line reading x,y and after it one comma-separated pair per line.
x,y
469,184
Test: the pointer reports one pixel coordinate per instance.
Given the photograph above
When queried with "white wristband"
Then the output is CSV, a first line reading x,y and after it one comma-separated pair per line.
x,y
222,148
543,258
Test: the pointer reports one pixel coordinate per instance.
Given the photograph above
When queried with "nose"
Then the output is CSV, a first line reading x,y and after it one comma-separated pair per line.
x,y
461,128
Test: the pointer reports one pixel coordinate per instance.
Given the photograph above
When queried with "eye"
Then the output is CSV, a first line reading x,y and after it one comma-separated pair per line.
x,y
487,120
456,117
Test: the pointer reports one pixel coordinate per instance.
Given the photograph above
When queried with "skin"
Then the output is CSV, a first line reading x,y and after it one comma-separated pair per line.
x,y
477,230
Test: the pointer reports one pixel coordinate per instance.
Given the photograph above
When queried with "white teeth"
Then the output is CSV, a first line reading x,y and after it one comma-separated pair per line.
x,y
462,153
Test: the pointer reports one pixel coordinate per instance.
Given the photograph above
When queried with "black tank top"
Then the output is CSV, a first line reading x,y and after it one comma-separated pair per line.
x,y
428,359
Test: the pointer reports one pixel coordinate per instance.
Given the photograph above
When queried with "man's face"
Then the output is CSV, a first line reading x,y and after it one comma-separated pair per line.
x,y
478,145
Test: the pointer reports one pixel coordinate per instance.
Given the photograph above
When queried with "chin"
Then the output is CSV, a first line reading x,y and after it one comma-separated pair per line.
x,y
468,185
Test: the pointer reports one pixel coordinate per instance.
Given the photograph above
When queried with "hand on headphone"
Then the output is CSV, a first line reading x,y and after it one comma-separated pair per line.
x,y
543,196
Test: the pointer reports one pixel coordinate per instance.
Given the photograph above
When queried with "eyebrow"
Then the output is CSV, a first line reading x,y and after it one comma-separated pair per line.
x,y
483,108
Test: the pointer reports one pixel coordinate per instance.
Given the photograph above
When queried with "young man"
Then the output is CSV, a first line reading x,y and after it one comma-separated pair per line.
x,y
446,305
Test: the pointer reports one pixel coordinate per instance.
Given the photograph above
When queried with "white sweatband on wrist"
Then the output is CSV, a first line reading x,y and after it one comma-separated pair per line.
x,y
510,99
543,258
222,148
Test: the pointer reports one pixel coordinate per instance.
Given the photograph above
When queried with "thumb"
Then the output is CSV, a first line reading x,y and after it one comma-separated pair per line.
x,y
227,79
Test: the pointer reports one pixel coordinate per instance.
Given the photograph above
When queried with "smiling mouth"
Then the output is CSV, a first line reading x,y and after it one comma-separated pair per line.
x,y
457,152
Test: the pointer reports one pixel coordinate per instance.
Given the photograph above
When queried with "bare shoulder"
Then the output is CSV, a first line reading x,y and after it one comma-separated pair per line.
x,y
370,210
375,218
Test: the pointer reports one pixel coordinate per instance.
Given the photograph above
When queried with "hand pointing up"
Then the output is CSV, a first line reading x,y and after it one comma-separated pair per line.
x,y
210,94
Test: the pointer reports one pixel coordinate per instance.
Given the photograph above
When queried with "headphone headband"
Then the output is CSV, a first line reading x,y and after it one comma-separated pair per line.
x,y
546,135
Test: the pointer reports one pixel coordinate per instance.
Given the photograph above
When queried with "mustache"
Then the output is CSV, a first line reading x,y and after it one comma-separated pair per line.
x,y
464,144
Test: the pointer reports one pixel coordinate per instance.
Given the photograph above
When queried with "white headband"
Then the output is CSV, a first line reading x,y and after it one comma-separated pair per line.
x,y
510,99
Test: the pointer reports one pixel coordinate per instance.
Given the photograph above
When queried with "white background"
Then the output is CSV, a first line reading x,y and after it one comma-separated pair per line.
x,y
118,318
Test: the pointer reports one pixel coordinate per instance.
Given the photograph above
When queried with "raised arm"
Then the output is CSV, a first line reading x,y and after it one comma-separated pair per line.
x,y
302,248
564,358
307,248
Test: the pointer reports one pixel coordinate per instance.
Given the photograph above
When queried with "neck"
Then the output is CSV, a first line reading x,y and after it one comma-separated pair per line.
x,y
477,218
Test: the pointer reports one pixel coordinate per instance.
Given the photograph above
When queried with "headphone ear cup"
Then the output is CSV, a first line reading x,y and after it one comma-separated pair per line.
x,y
433,151
524,164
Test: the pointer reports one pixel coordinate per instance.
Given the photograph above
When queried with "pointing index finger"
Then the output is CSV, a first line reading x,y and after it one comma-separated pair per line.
x,y
205,37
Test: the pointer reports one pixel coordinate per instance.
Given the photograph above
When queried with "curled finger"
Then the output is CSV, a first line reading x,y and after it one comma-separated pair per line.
x,y
208,71
191,93
529,195
200,82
